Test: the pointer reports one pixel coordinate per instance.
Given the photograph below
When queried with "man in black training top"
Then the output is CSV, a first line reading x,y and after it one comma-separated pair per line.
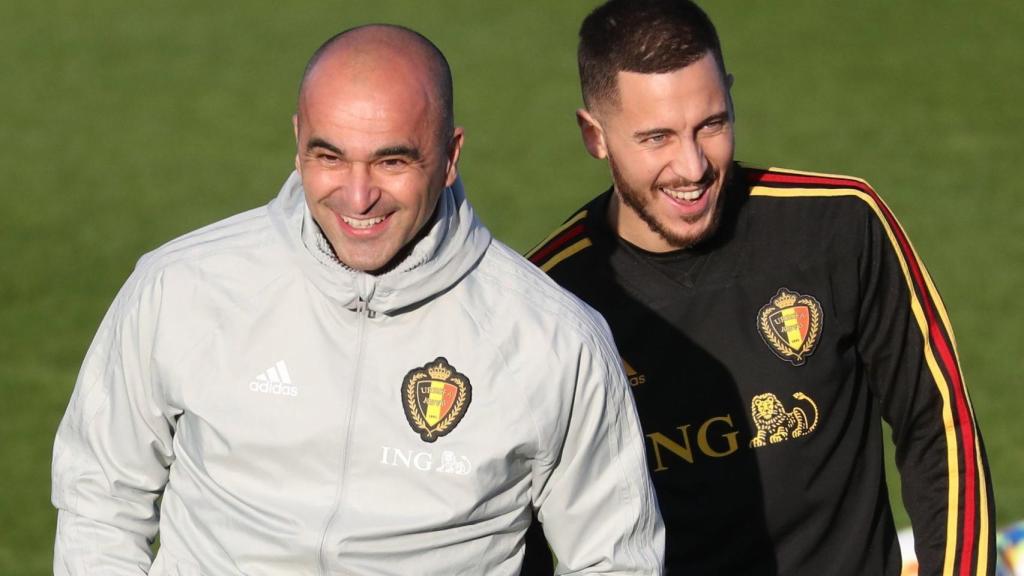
x,y
768,321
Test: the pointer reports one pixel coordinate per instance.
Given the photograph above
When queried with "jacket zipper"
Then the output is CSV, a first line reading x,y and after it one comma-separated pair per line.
x,y
364,314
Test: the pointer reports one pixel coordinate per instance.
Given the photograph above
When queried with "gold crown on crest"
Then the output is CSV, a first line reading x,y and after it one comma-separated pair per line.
x,y
784,299
439,371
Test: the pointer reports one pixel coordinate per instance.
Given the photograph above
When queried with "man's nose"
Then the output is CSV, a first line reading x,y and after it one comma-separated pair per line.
x,y
690,163
361,189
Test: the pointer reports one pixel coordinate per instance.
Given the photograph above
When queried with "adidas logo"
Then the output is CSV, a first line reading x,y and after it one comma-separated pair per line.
x,y
274,380
635,378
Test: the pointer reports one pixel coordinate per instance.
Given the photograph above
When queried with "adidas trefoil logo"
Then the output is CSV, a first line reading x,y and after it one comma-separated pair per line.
x,y
274,380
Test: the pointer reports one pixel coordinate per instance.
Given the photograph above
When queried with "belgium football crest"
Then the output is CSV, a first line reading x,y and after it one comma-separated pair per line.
x,y
790,325
435,399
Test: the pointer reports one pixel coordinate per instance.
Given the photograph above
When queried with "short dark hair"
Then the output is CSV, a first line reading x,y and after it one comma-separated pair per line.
x,y
645,36
442,71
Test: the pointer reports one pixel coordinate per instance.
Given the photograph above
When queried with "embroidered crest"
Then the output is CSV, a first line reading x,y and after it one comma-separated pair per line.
x,y
435,398
775,424
790,325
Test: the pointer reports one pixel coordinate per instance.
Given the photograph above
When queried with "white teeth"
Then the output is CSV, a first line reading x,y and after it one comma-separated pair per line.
x,y
688,195
357,223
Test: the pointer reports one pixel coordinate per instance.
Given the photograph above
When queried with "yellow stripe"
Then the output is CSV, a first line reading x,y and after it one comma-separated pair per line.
x,y
983,504
940,381
790,324
434,401
982,510
557,231
983,520
952,461
816,175
572,249
942,311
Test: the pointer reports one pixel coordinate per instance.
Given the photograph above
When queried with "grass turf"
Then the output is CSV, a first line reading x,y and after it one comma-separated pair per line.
x,y
127,124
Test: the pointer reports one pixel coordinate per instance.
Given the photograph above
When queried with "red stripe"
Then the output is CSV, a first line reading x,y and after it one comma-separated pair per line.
x,y
948,359
937,337
556,243
782,178
963,412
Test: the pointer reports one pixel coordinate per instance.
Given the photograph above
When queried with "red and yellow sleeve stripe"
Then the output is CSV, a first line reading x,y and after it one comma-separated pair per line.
x,y
967,535
566,240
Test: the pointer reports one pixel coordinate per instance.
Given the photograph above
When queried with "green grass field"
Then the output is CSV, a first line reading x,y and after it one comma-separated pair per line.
x,y
126,124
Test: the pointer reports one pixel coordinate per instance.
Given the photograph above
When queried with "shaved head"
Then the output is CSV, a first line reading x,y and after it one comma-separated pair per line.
x,y
388,49
375,142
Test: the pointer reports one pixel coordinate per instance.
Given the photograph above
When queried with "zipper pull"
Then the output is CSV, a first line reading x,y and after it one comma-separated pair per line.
x,y
363,306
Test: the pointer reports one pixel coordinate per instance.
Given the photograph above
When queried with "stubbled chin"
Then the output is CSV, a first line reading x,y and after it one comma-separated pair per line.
x,y
684,228
368,262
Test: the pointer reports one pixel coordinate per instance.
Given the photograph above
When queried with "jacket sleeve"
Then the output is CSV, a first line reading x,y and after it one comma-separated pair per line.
x,y
910,357
113,448
597,505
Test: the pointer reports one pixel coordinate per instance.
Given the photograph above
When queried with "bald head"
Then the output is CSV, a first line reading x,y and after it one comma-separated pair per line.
x,y
375,142
401,54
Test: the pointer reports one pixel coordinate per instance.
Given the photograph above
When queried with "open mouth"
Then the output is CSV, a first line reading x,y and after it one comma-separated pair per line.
x,y
363,223
683,195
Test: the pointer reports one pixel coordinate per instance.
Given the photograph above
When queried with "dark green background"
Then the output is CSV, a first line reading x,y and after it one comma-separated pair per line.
x,y
124,124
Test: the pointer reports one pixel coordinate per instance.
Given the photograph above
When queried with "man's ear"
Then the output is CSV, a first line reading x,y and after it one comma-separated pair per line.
x,y
592,133
454,149
295,130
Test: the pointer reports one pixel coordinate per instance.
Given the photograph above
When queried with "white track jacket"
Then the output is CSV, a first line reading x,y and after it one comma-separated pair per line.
x,y
268,411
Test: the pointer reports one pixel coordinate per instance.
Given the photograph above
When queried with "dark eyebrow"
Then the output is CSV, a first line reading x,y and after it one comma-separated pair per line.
x,y
397,150
321,143
400,150
641,134
716,117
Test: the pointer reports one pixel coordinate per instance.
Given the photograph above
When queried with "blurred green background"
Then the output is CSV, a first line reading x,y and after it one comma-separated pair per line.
x,y
124,124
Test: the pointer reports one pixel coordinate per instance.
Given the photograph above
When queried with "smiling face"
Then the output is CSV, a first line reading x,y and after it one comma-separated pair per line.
x,y
669,143
371,153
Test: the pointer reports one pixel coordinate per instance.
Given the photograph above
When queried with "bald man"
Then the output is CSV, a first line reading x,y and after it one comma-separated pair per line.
x,y
355,378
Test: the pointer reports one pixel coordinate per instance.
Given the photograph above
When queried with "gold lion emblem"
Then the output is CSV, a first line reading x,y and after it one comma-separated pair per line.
x,y
774,424
435,397
790,325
